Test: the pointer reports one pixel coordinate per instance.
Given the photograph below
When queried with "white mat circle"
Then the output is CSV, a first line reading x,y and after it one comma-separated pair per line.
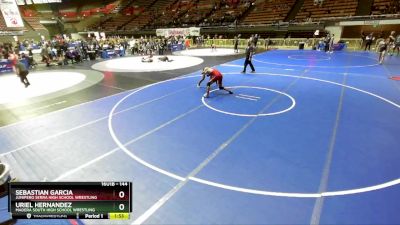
x,y
135,64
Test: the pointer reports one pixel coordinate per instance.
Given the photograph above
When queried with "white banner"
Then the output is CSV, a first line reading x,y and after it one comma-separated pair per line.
x,y
160,32
177,32
369,22
11,33
10,12
192,31
46,1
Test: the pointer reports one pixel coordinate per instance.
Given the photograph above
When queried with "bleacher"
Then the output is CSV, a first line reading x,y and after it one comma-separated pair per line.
x,y
121,5
228,12
46,14
172,12
198,13
385,7
3,25
149,14
139,21
269,11
44,11
159,6
130,10
115,22
182,13
68,11
34,22
329,8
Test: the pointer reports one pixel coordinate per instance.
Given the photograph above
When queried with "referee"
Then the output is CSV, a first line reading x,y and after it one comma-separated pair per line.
x,y
249,55
22,72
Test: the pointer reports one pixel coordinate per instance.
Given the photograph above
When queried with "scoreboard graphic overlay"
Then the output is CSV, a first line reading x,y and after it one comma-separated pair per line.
x,y
70,200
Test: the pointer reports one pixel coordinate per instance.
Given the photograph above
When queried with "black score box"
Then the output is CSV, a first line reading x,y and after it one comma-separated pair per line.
x,y
88,216
64,200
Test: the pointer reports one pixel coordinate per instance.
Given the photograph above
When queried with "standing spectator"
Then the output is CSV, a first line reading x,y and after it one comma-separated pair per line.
x,y
132,43
314,43
378,40
31,61
391,45
45,55
266,43
235,44
383,47
251,39
331,42
161,47
363,36
397,44
249,56
327,40
13,58
148,48
187,43
368,41
255,40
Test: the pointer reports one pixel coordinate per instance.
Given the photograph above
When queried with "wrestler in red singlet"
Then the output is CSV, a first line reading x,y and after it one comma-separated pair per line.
x,y
215,76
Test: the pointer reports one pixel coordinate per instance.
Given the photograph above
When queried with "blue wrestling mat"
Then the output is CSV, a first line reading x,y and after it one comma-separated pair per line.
x,y
310,138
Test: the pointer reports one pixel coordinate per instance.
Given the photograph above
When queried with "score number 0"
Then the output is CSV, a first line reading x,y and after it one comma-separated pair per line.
x,y
121,206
